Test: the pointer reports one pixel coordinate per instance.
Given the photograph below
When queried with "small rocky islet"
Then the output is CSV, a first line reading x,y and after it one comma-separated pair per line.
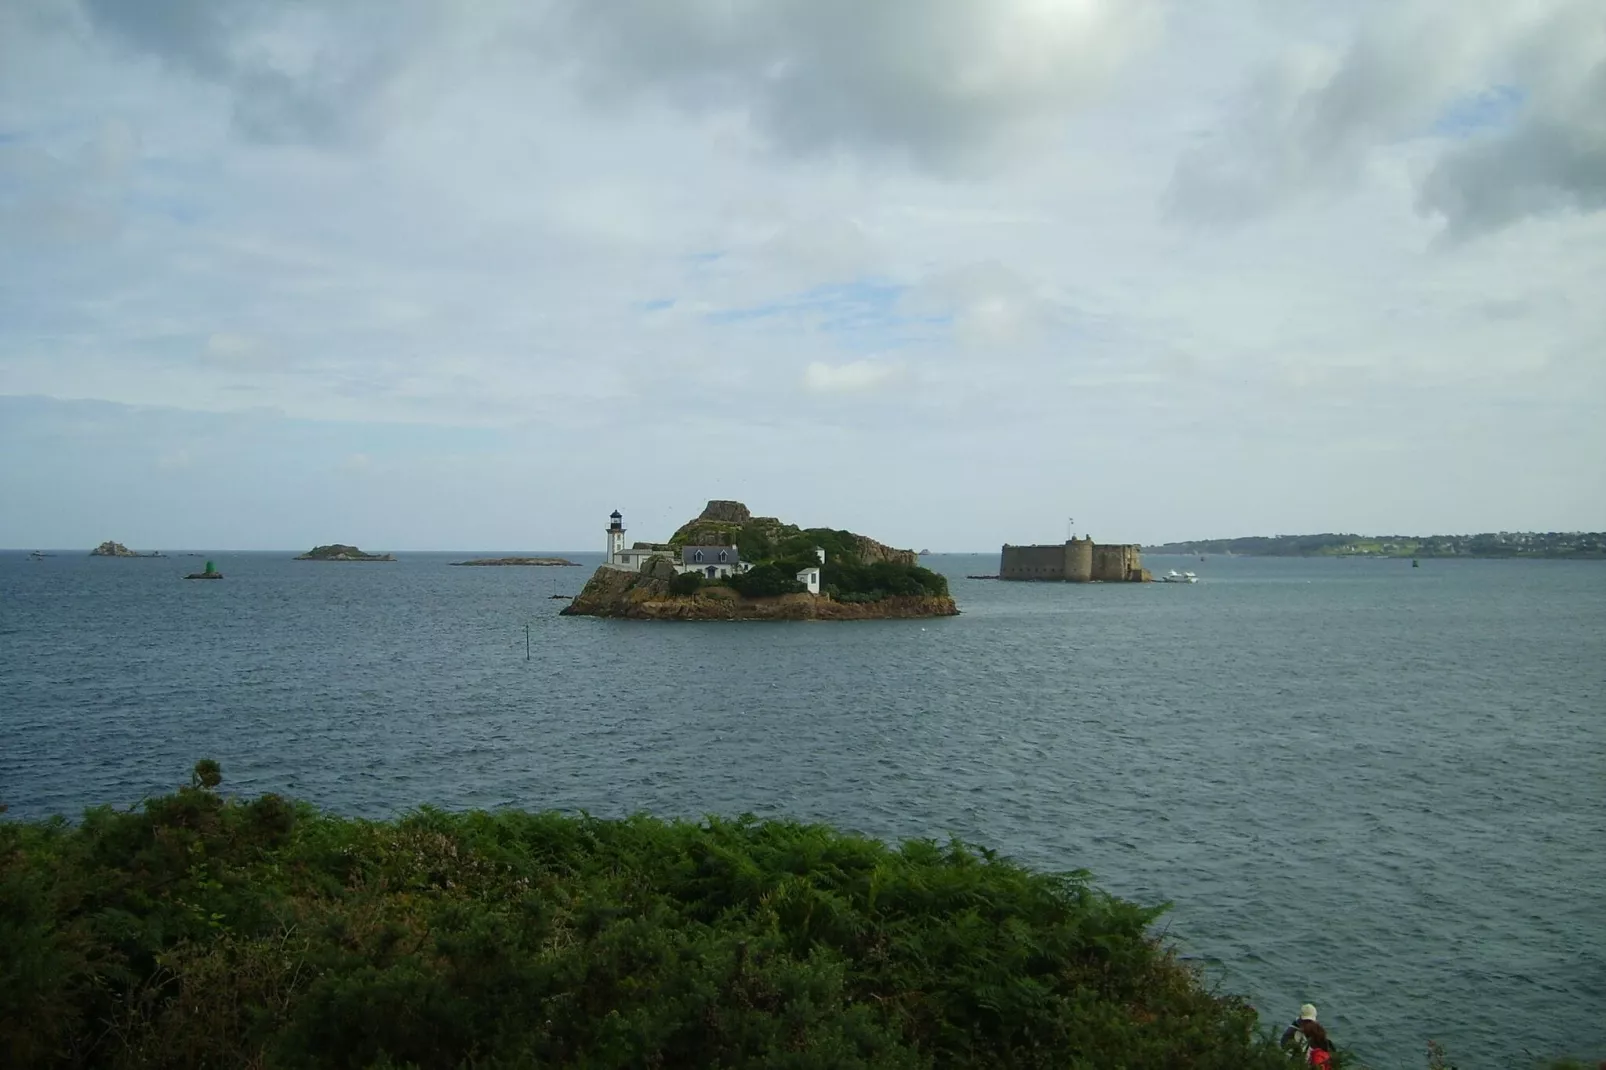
x,y
548,562
726,564
117,549
341,552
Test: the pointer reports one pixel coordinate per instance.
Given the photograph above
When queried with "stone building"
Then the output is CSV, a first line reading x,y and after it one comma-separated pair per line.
x,y
1073,561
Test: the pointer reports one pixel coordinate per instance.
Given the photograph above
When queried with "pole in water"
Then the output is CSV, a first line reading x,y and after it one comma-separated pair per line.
x,y
526,642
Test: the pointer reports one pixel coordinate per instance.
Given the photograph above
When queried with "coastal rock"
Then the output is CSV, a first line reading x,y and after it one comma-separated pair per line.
x,y
542,561
870,551
726,512
341,552
613,592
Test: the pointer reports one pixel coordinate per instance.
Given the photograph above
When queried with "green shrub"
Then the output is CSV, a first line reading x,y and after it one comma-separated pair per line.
x,y
685,583
206,931
766,581
850,582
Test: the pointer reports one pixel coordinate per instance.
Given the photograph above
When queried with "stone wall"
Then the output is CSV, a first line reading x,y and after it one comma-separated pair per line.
x,y
1032,563
1115,563
1076,561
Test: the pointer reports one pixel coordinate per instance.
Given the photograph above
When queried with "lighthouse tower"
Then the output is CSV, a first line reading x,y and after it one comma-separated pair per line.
x,y
616,537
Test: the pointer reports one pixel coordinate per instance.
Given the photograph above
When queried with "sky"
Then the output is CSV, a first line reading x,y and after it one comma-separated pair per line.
x,y
414,274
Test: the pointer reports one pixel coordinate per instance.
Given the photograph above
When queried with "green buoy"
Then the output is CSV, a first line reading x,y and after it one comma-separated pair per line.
x,y
211,573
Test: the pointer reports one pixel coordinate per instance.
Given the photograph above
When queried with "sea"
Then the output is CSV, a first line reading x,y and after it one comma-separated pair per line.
x,y
1377,788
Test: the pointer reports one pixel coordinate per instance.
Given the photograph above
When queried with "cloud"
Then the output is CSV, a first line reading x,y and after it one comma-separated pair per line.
x,y
1544,164
691,222
855,377
989,305
943,82
1503,98
295,73
76,191
226,346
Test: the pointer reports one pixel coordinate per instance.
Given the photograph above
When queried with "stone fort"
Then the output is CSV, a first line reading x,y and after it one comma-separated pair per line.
x,y
1073,561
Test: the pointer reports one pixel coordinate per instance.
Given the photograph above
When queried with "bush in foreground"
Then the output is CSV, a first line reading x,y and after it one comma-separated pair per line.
x,y
686,583
205,931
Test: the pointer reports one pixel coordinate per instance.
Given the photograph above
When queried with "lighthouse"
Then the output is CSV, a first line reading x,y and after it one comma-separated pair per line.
x,y
616,537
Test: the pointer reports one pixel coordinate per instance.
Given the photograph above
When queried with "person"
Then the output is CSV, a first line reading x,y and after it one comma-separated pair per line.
x,y
1309,1036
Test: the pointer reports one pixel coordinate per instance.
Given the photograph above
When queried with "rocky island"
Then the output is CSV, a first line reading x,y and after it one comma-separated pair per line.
x,y
341,552
727,564
539,561
117,549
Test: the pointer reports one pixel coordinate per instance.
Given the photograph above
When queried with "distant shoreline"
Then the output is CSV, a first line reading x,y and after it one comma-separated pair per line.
x,y
1157,551
1502,545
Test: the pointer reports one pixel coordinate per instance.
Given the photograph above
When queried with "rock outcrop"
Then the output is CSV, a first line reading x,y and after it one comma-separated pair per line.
x,y
613,592
546,561
117,549
341,552
870,551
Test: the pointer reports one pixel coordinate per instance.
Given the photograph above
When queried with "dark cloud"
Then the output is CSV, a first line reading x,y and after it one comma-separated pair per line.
x,y
943,82
1525,83
1545,163
296,73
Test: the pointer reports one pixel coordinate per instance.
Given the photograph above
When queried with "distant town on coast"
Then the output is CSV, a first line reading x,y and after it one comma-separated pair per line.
x,y
1543,544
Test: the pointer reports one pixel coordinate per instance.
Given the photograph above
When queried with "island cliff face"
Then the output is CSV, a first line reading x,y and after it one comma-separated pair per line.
x,y
613,592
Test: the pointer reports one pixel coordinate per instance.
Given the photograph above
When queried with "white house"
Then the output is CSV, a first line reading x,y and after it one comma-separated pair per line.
x,y
711,562
810,577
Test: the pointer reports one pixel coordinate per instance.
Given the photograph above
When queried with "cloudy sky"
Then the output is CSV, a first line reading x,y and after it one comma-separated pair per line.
x,y
417,274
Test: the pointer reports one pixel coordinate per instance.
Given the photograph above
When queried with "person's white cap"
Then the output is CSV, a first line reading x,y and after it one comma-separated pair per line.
x,y
1308,1010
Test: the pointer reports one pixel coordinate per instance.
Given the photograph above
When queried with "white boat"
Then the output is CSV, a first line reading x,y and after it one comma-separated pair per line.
x,y
1179,577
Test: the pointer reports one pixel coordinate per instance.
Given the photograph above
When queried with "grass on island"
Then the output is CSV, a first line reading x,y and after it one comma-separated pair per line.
x,y
202,930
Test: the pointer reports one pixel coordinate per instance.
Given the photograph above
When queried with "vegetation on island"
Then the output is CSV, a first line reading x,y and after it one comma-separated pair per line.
x,y
341,552
1550,544
203,930
843,577
857,569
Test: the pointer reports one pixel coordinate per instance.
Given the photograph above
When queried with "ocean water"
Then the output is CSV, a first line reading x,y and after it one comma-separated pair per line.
x,y
1376,788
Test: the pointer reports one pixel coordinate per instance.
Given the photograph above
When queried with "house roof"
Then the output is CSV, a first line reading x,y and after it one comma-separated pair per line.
x,y
710,555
